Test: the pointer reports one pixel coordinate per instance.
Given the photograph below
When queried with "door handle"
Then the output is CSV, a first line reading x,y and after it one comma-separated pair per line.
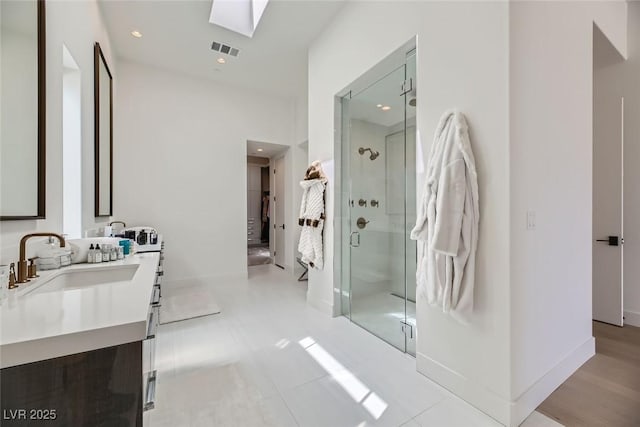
x,y
282,226
351,243
362,223
612,240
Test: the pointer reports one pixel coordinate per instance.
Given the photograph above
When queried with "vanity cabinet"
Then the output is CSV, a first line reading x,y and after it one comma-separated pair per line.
x,y
98,371
149,375
92,389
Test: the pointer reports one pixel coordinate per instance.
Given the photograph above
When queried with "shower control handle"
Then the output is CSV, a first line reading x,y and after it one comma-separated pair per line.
x,y
362,202
361,223
351,242
374,203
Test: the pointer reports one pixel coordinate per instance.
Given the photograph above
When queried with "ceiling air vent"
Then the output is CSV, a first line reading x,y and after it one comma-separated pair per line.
x,y
226,49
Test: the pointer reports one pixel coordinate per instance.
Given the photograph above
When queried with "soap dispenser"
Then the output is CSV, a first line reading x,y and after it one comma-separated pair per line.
x,y
91,255
98,254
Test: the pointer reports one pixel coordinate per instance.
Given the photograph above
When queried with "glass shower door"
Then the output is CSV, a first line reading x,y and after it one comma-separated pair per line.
x,y
377,223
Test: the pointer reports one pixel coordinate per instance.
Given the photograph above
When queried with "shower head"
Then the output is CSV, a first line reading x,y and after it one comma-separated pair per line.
x,y
374,154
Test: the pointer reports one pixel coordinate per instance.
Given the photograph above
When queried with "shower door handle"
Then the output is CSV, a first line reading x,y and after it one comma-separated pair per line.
x,y
351,242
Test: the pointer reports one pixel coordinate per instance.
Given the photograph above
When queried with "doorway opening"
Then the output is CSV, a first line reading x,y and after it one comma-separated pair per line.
x,y
377,185
608,178
258,214
265,203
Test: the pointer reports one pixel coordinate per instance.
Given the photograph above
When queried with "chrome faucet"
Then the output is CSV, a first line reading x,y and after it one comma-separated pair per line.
x,y
118,222
23,276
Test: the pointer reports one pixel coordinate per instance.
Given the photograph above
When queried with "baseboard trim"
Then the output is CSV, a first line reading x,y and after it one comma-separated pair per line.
x,y
632,318
185,281
508,413
485,400
322,306
541,389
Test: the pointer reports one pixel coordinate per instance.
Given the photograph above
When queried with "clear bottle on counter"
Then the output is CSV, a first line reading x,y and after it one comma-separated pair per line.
x,y
97,256
91,255
120,252
106,253
113,254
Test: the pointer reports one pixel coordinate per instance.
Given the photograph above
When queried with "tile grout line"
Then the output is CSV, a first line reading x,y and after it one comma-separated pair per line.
x,y
427,409
280,394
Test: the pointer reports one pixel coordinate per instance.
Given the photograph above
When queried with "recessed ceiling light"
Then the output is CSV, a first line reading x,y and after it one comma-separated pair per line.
x,y
221,60
137,34
260,149
379,105
386,108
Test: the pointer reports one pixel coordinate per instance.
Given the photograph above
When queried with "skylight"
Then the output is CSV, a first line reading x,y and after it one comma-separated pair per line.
x,y
240,16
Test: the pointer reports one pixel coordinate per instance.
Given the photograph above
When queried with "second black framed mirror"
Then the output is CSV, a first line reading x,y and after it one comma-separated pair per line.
x,y
103,113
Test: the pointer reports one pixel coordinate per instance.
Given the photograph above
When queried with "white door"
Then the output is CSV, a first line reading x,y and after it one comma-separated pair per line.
x,y
278,223
608,111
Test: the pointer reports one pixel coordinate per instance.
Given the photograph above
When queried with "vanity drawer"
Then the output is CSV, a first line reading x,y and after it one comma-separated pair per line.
x,y
149,344
155,297
149,358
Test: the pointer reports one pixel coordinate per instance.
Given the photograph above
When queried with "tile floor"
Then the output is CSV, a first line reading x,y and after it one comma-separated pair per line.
x,y
381,314
270,360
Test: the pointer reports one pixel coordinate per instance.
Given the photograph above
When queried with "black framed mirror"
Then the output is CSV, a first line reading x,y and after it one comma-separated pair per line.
x,y
103,110
23,107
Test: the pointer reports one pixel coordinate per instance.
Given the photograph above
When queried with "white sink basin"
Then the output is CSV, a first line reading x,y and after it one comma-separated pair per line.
x,y
85,277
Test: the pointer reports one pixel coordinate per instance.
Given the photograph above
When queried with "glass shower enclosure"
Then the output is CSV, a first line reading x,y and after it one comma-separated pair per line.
x,y
378,201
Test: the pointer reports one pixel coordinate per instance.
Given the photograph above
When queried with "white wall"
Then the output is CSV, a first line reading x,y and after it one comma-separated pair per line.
x,y
180,164
301,131
77,25
462,62
300,152
71,147
629,75
301,160
551,174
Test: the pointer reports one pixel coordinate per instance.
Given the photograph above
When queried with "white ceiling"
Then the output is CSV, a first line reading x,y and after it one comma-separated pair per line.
x,y
177,35
268,150
387,92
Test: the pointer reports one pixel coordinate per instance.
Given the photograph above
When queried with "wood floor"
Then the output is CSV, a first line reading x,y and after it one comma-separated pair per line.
x,y
605,391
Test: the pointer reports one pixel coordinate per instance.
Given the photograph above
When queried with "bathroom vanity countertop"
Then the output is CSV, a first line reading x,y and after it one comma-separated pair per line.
x,y
42,325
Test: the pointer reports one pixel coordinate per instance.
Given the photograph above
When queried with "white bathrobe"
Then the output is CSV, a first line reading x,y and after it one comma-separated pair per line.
x,y
447,225
312,209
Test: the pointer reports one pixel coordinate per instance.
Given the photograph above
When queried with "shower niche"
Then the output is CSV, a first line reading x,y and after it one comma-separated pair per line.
x,y
376,145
